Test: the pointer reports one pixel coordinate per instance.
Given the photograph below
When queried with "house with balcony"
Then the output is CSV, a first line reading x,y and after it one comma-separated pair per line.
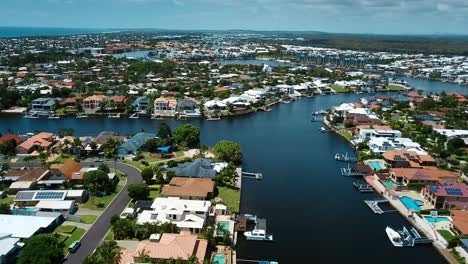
x,y
188,215
380,145
94,103
41,141
447,196
368,133
407,159
164,107
45,105
141,104
428,176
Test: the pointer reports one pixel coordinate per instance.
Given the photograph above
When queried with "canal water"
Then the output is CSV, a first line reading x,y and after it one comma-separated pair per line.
x,y
314,213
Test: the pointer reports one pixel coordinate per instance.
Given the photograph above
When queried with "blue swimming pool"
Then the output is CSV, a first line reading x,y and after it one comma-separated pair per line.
x,y
218,259
436,219
411,203
376,165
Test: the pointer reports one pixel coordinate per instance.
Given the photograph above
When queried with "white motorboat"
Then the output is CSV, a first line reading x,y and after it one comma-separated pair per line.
x,y
81,115
394,237
322,129
258,234
53,116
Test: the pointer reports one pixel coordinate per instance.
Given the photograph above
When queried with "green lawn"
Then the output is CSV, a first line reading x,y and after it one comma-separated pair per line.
x,y
338,88
7,200
88,219
63,158
109,235
66,229
231,198
447,235
346,134
154,191
135,164
76,235
100,203
395,88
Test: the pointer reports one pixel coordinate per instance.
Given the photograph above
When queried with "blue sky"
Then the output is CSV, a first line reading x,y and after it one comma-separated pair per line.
x,y
347,16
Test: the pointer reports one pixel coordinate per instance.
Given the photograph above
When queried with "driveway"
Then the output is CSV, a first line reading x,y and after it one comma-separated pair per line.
x,y
98,230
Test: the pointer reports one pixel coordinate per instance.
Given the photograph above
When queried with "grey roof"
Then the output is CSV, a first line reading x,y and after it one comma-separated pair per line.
x,y
140,100
199,168
134,143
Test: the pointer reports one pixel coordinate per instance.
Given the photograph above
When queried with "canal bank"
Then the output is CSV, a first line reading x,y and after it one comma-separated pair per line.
x,y
313,212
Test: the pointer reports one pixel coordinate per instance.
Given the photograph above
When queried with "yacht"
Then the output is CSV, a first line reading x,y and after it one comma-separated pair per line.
x,y
258,234
394,237
81,115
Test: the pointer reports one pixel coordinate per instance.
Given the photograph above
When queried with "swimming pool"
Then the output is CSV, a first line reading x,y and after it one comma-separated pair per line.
x,y
376,165
223,228
436,219
389,184
24,211
411,203
218,259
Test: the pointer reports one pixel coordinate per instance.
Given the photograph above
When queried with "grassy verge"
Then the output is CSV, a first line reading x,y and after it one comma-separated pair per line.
x,y
395,88
66,229
338,88
231,198
88,219
110,235
100,203
7,200
76,235
346,134
135,164
447,235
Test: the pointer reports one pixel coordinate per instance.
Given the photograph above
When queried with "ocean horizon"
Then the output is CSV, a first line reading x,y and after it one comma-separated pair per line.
x,y
12,32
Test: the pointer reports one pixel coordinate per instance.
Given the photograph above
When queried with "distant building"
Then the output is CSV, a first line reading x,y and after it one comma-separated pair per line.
x,y
189,188
91,51
199,168
447,196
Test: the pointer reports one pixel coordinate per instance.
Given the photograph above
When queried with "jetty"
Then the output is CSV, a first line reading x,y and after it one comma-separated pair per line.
x,y
252,175
345,157
362,187
349,172
374,205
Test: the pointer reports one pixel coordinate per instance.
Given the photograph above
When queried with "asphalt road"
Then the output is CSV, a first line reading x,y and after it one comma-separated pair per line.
x,y
98,230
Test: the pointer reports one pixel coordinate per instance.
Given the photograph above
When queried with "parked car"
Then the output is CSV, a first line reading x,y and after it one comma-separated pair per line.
x,y
74,246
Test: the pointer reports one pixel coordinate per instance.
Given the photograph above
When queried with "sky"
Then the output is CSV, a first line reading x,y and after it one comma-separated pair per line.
x,y
342,16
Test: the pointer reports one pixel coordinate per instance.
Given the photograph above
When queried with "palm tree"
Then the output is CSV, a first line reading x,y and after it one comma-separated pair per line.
x,y
143,256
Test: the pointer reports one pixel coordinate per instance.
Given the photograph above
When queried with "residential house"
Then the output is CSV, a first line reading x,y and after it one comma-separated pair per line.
x,y
68,170
33,197
188,107
459,221
104,136
189,188
198,168
381,144
43,104
141,103
165,106
94,103
428,175
188,215
407,159
43,140
447,196
133,144
181,247
368,133
11,136
116,103
213,105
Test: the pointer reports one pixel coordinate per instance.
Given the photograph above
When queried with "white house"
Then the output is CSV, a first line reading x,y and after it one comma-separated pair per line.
x,y
382,144
188,215
368,133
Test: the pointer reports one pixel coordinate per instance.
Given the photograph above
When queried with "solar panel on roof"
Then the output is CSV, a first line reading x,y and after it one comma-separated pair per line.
x,y
49,195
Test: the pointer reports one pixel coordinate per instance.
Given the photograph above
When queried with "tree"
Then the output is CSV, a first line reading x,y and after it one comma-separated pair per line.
x,y
97,181
139,191
103,167
228,151
108,252
147,175
42,249
455,143
123,228
4,208
187,135
226,176
8,148
165,133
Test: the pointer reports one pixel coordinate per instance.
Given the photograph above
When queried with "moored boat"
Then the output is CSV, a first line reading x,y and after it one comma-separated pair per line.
x,y
394,237
258,234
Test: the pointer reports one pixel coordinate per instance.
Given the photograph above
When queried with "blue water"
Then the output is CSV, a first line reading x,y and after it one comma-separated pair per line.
x,y
12,32
430,86
410,203
375,165
438,219
313,212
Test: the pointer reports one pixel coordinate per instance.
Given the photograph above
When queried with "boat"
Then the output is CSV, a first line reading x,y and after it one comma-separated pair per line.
x,y
134,116
114,115
53,116
81,115
213,118
394,237
322,129
285,101
32,115
322,112
258,234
